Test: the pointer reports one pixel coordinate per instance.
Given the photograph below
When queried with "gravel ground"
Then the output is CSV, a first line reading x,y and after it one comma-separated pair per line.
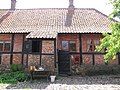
x,y
109,82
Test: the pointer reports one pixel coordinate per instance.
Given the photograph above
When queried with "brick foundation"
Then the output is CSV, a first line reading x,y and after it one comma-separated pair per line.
x,y
47,61
87,59
17,58
5,60
33,59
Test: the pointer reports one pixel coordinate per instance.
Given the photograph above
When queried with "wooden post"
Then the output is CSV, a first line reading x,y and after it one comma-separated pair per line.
x,y
55,53
0,58
23,45
93,58
118,58
40,50
80,48
12,45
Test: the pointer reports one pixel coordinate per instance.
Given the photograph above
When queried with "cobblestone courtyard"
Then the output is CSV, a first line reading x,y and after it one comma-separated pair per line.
x,y
102,82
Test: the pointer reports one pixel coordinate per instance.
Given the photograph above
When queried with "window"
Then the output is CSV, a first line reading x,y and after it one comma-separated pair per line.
x,y
1,46
65,45
35,46
69,46
28,46
5,46
72,46
91,45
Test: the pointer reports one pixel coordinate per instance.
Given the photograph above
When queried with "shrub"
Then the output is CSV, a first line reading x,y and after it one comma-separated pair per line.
x,y
13,67
103,70
20,77
19,67
12,77
16,67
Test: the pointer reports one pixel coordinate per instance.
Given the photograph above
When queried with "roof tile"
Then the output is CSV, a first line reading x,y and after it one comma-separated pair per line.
x,y
46,23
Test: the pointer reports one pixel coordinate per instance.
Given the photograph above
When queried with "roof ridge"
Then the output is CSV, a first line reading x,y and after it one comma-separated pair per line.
x,y
107,16
51,8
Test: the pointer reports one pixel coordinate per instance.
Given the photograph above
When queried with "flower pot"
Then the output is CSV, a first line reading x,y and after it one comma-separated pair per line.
x,y
52,78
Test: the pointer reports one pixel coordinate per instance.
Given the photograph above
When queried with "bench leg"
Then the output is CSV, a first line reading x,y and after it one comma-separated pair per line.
x,y
47,78
31,75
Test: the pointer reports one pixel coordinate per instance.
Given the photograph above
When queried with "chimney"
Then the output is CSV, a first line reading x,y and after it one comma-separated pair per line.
x,y
71,3
13,4
71,7
70,13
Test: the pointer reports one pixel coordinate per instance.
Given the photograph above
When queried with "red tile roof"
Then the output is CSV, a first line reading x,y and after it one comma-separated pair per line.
x,y
38,22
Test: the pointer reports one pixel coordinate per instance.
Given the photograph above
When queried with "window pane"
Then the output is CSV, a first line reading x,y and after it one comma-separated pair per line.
x,y
28,46
89,45
35,46
89,48
7,46
89,41
65,45
96,43
1,46
72,46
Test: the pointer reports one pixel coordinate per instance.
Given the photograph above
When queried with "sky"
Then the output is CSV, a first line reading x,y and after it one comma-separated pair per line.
x,y
101,5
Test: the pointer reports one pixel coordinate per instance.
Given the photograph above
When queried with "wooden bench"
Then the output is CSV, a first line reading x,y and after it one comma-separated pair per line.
x,y
39,74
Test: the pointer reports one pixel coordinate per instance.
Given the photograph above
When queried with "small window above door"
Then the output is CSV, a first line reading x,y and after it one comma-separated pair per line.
x,y
69,46
65,46
72,46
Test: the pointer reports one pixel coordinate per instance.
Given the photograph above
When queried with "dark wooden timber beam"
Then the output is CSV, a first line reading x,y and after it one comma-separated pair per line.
x,y
80,47
23,45
93,58
118,58
0,58
55,53
40,53
12,45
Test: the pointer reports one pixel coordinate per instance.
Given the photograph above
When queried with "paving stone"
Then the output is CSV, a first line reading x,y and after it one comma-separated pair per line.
x,y
103,82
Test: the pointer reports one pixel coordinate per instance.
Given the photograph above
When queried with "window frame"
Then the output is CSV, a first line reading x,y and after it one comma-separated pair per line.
x,y
68,49
75,46
1,42
3,47
93,43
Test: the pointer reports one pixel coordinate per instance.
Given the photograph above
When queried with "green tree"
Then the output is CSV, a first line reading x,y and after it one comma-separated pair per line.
x,y
116,8
111,42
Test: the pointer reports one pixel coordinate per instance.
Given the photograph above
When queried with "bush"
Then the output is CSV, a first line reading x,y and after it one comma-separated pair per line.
x,y
103,70
20,77
19,67
16,67
12,77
